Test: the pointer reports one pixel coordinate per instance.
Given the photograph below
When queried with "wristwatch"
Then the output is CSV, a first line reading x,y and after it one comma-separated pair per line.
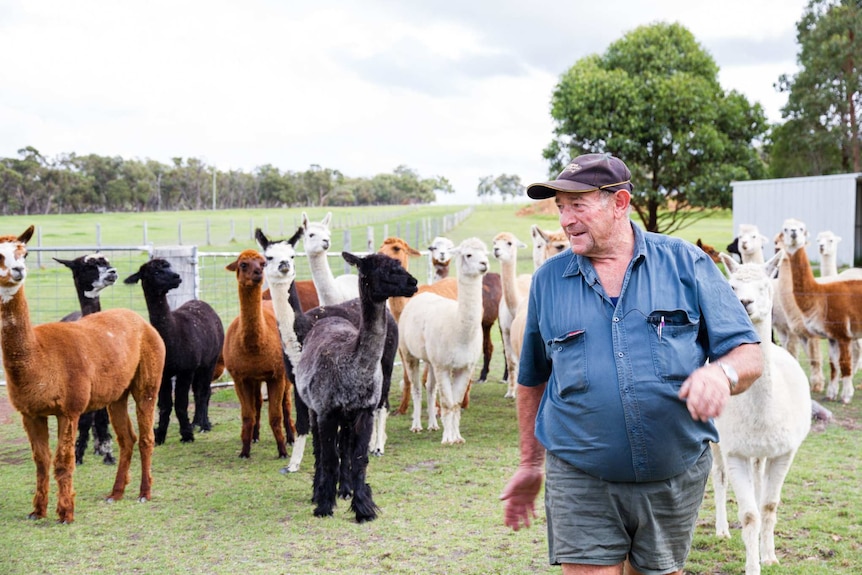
x,y
730,372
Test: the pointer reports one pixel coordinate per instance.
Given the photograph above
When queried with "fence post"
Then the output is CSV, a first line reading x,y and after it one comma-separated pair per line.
x,y
184,261
370,241
180,232
98,236
346,249
145,232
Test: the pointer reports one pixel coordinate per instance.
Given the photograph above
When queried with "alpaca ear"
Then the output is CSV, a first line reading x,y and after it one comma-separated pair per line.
x,y
327,219
231,267
771,267
261,238
295,237
413,252
133,279
729,263
522,244
25,237
351,259
304,221
68,263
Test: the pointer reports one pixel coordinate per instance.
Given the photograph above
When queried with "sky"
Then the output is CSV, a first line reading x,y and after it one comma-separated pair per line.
x,y
453,88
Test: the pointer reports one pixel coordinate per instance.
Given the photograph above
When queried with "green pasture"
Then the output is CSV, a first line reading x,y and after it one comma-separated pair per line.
x,y
214,513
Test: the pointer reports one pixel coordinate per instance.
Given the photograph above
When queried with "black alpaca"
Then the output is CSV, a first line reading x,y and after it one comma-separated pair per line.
x,y
92,274
193,336
339,377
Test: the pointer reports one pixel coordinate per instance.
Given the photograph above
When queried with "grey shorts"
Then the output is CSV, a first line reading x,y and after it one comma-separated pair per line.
x,y
595,522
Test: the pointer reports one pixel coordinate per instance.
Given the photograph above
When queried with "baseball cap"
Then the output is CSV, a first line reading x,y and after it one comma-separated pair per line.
x,y
586,173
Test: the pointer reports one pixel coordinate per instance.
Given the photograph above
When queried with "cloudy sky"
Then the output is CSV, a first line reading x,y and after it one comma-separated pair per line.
x,y
453,88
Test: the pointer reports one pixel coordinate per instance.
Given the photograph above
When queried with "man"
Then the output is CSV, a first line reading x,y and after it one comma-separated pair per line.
x,y
615,388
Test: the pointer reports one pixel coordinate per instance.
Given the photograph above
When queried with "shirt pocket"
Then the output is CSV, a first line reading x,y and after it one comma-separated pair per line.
x,y
568,354
673,339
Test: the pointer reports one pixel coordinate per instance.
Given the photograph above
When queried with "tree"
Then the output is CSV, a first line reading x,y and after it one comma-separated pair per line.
x,y
653,99
504,185
824,98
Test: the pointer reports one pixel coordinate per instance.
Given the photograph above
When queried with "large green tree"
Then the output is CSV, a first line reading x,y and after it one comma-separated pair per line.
x,y
654,100
824,98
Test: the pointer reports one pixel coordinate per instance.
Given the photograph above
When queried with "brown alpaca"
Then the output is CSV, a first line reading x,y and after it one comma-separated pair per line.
x,y
64,369
709,250
447,287
831,310
253,355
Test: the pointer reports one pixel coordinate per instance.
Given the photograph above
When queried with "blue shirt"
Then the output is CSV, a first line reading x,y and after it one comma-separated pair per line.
x,y
611,406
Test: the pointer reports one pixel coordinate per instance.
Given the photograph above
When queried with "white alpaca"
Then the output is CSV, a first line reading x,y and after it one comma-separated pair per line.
x,y
440,251
316,240
751,243
761,429
447,335
547,243
516,288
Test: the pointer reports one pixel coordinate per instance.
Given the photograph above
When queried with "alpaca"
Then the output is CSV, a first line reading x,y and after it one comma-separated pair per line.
x,y
316,239
193,336
830,310
759,430
253,355
447,335
293,325
64,369
787,320
751,242
547,243
515,290
709,250
440,251
827,243
91,274
339,376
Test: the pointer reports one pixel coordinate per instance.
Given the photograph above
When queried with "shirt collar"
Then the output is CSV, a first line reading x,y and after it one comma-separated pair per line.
x,y
581,265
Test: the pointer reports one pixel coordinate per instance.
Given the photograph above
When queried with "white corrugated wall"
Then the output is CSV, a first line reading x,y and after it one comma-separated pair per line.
x,y
821,202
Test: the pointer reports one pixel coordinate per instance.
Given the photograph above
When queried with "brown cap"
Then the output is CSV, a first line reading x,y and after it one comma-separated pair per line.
x,y
586,173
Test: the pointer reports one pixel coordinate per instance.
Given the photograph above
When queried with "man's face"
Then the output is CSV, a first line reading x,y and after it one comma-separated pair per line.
x,y
588,220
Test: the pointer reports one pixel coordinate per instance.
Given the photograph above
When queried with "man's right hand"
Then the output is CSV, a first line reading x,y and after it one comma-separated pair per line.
x,y
519,497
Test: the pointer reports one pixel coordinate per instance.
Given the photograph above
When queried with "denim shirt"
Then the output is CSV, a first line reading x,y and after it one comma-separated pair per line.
x,y
611,406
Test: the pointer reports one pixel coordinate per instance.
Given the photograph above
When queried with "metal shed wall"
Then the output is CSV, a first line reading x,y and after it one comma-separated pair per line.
x,y
821,202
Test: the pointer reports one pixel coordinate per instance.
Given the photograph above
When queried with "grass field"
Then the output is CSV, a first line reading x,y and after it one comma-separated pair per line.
x,y
214,513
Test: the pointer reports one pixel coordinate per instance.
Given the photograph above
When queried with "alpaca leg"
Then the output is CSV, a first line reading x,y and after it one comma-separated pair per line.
x,y
37,433
182,389
166,405
505,365
719,487
835,364
64,467
126,439
460,386
286,413
346,444
411,373
303,425
85,422
276,390
102,443
774,475
257,403
741,474
447,406
315,445
378,434
487,351
406,387
145,411
363,503
846,359
248,392
509,354
202,391
431,387
327,427
815,360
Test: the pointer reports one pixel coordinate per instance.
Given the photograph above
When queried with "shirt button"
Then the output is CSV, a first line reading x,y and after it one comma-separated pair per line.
x,y
620,354
616,319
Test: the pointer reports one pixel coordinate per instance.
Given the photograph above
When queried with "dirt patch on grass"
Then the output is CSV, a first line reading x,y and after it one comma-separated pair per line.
x,y
546,207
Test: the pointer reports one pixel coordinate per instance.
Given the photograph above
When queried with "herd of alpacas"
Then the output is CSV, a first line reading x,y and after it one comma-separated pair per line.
x,y
325,350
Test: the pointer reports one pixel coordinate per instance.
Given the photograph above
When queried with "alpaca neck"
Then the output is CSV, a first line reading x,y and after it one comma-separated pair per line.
x,y
251,313
321,274
510,284
286,316
805,287
753,257
441,270
828,265
17,338
159,311
372,332
89,304
469,308
760,392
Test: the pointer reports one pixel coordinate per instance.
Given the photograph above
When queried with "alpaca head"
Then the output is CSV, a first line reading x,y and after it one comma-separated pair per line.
x,y
506,247
471,256
709,250
794,235
381,277
828,243
556,242
316,236
156,277
753,286
398,249
279,256
13,270
92,273
441,250
248,268
750,240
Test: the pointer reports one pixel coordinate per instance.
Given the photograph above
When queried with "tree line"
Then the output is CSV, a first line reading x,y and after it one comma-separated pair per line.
x,y
71,183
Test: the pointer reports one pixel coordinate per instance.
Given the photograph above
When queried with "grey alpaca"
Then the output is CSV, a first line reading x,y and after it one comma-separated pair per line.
x,y
91,274
339,377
